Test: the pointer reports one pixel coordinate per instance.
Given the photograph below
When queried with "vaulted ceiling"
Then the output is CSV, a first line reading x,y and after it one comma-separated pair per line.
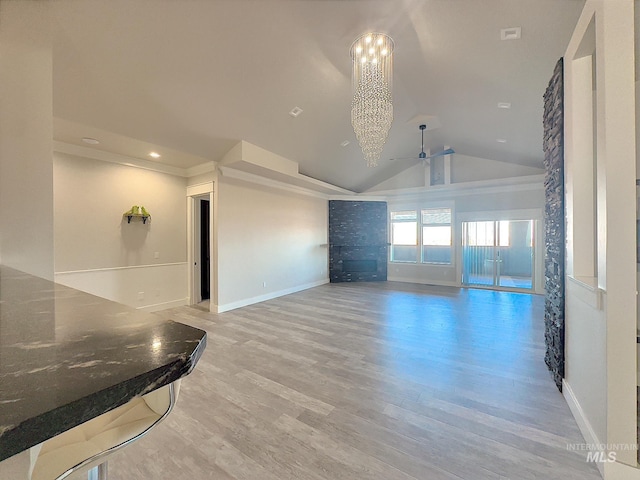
x,y
191,78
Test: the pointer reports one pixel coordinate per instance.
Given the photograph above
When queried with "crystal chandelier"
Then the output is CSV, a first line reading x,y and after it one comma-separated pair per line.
x,y
372,108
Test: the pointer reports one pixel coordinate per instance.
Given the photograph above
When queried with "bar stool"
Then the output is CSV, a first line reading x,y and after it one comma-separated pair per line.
x,y
89,444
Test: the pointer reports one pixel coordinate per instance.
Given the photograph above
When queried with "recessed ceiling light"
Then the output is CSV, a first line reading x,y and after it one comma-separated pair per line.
x,y
501,140
345,143
513,33
154,154
295,111
505,105
90,141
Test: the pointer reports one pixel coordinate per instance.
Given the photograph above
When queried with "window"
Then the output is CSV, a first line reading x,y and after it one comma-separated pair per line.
x,y
482,234
432,231
436,235
404,236
504,228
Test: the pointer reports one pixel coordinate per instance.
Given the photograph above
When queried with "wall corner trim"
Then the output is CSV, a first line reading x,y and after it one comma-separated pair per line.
x,y
228,172
200,189
586,289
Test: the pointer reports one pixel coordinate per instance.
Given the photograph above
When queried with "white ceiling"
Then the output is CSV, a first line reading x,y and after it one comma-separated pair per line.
x,y
193,77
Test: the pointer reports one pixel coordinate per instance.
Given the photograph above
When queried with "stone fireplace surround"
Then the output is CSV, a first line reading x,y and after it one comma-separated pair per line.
x,y
357,241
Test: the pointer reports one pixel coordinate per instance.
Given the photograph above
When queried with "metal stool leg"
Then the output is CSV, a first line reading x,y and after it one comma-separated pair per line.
x,y
98,473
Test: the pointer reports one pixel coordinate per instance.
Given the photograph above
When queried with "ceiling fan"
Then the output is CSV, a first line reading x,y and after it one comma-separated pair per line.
x,y
422,155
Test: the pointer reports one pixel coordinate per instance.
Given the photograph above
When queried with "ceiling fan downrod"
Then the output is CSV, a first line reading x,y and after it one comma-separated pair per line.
x,y
422,155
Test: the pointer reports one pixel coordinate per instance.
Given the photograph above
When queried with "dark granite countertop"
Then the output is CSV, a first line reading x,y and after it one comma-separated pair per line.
x,y
67,356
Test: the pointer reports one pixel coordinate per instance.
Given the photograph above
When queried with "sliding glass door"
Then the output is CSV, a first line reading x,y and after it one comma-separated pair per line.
x,y
498,253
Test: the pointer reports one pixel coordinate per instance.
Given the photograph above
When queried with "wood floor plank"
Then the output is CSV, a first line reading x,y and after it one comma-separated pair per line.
x,y
298,398
416,458
505,459
351,462
376,381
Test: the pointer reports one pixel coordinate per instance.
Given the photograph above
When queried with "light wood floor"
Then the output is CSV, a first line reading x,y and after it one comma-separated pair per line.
x,y
378,381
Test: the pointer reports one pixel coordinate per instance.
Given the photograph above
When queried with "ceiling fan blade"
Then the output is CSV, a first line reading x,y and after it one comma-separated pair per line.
x,y
422,155
448,151
405,158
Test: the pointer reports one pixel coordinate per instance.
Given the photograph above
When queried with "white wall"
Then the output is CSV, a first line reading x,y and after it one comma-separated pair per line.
x,y
516,198
270,242
465,168
585,348
410,178
97,251
26,172
637,78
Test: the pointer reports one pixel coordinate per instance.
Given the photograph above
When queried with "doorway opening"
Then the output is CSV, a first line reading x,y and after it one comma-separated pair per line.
x,y
499,254
205,266
200,233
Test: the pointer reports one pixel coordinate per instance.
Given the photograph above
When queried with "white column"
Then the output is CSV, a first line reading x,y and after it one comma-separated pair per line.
x,y
26,137
616,159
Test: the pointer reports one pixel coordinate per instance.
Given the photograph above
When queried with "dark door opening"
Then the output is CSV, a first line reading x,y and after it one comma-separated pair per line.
x,y
204,250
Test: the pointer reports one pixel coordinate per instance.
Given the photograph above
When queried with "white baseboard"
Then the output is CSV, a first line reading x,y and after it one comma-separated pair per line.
x,y
145,287
422,281
620,471
267,296
584,425
164,305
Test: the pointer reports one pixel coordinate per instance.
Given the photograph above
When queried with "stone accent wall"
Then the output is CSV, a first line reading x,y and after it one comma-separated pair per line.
x,y
554,224
357,241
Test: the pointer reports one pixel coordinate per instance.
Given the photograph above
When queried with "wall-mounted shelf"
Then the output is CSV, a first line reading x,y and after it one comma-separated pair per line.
x,y
137,215
137,212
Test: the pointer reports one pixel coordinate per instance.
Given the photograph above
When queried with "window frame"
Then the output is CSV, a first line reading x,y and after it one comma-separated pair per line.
x,y
423,225
393,221
418,209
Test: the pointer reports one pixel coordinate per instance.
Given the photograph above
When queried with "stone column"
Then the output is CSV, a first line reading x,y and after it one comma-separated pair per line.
x,y
554,264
